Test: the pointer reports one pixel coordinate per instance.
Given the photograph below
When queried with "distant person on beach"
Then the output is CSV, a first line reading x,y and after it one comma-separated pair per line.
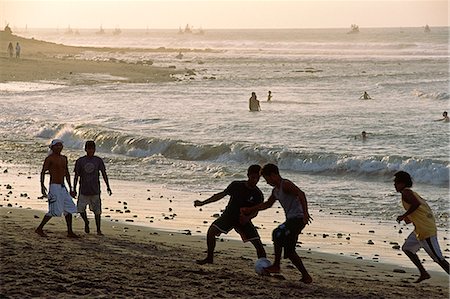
x,y
365,96
11,50
425,232
269,96
242,194
17,50
285,236
87,169
59,200
254,103
444,117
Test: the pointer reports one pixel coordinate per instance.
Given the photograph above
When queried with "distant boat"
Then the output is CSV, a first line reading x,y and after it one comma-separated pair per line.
x,y
426,28
117,31
187,29
100,31
190,30
69,30
353,29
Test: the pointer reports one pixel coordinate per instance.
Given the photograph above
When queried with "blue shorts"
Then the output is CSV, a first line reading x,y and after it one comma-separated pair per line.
x,y
286,235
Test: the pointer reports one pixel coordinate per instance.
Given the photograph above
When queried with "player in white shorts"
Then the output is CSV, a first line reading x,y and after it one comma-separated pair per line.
x,y
425,232
59,199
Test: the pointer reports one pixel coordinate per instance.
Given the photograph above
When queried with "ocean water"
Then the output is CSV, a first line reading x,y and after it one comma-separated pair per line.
x,y
196,133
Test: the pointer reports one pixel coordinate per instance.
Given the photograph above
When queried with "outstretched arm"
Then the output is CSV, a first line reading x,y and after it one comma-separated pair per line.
x,y
262,206
214,198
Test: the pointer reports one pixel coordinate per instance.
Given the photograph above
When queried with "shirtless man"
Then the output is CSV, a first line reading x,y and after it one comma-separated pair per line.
x,y
59,200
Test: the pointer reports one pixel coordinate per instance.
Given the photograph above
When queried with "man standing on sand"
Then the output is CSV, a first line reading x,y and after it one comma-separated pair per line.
x,y
17,50
242,194
10,50
59,200
285,236
87,168
425,232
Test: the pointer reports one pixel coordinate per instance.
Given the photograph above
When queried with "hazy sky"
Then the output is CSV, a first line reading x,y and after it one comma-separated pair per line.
x,y
222,14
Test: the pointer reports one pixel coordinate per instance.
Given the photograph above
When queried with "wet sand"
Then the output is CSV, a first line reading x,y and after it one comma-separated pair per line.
x,y
135,261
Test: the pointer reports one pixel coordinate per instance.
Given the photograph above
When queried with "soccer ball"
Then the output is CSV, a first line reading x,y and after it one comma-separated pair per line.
x,y
260,264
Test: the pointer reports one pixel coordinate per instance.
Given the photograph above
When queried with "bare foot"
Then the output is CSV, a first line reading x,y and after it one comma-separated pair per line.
x,y
306,279
73,235
272,269
424,276
40,232
205,261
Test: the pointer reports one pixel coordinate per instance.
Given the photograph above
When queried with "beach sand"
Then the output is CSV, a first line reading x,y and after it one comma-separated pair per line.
x,y
133,261
45,61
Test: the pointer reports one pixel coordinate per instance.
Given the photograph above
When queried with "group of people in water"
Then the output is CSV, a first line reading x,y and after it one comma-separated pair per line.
x,y
11,50
253,102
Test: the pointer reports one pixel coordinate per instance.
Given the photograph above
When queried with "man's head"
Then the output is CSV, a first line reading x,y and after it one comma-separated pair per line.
x,y
444,114
271,174
402,180
89,147
56,146
253,174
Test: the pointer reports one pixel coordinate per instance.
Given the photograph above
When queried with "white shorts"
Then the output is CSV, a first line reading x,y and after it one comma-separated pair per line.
x,y
59,201
430,245
94,202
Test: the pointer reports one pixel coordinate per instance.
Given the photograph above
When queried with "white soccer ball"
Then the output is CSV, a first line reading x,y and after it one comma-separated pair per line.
x,y
260,264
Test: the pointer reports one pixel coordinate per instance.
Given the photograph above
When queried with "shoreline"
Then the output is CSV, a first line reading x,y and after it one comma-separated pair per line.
x,y
46,61
134,261
163,209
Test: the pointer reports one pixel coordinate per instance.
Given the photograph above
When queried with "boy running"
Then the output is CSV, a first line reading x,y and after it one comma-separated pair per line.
x,y
425,232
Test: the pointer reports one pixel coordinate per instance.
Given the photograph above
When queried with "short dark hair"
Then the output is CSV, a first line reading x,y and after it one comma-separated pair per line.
x,y
269,169
254,169
89,144
403,177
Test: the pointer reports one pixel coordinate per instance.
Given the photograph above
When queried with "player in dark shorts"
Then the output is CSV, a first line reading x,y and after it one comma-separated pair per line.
x,y
242,194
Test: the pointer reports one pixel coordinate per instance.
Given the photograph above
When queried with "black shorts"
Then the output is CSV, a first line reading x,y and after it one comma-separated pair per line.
x,y
247,231
286,235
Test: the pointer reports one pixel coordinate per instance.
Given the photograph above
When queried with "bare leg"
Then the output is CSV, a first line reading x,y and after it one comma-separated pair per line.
x,y
298,263
86,222
211,244
98,222
39,230
416,261
275,268
260,251
70,232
